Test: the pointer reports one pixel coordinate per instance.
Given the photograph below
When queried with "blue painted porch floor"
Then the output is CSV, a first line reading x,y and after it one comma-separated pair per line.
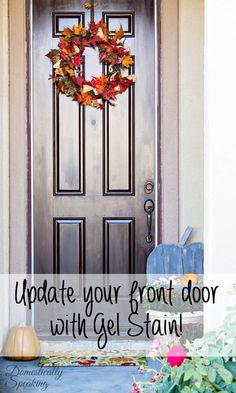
x,y
25,377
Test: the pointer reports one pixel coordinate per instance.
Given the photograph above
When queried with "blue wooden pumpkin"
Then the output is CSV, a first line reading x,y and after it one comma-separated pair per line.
x,y
175,258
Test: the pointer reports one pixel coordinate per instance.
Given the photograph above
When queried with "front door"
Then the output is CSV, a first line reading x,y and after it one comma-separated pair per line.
x,y
93,169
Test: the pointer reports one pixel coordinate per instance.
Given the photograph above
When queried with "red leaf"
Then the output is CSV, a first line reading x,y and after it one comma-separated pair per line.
x,y
78,60
80,81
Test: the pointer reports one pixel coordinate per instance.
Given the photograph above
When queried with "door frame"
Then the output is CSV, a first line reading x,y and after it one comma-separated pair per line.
x,y
167,108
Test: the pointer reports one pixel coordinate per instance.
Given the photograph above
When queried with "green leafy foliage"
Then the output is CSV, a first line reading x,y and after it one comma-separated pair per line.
x,y
195,376
202,374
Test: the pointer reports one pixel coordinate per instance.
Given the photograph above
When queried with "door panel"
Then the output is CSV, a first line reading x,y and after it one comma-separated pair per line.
x,y
90,166
69,242
69,153
119,146
123,250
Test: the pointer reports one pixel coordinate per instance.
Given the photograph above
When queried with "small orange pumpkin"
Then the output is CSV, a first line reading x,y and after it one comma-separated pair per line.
x,y
189,276
22,344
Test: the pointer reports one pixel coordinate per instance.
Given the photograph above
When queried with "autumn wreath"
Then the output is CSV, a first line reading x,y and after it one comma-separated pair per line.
x,y
67,62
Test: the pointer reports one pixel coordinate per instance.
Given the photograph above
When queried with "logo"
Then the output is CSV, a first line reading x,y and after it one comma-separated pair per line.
x,y
21,378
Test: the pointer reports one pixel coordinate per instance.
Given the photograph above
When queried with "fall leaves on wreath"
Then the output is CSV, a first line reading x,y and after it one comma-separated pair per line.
x,y
68,62
89,5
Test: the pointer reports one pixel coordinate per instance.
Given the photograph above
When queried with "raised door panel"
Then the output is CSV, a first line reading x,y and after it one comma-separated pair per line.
x,y
119,245
69,245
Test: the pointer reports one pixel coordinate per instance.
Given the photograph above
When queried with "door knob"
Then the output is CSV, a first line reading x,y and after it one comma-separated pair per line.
x,y
149,208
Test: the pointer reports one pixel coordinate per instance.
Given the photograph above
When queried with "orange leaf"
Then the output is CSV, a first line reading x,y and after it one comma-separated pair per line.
x,y
67,32
86,99
118,34
62,88
70,71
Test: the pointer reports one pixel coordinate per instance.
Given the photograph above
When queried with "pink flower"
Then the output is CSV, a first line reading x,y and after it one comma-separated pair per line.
x,y
156,344
136,389
176,355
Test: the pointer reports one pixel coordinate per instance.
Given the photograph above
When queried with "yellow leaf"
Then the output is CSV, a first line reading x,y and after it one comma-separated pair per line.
x,y
59,71
86,88
123,74
57,64
76,49
119,33
101,34
89,5
132,78
113,76
127,61
77,28
83,32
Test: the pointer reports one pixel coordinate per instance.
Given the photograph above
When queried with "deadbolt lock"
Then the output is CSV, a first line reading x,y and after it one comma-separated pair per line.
x,y
149,187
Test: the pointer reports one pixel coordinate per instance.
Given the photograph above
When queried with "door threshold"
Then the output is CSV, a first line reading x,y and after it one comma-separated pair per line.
x,y
116,345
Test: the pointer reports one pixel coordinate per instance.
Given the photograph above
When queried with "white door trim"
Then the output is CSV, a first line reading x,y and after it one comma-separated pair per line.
x,y
4,170
19,152
169,121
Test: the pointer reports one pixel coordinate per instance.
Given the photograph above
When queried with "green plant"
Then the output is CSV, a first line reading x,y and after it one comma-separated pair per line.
x,y
199,375
213,370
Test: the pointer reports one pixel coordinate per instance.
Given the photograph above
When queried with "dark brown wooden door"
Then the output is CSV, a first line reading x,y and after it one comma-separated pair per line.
x,y
91,166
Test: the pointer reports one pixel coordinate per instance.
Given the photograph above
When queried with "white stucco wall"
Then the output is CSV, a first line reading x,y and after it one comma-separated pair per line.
x,y
4,165
191,117
220,136
220,149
